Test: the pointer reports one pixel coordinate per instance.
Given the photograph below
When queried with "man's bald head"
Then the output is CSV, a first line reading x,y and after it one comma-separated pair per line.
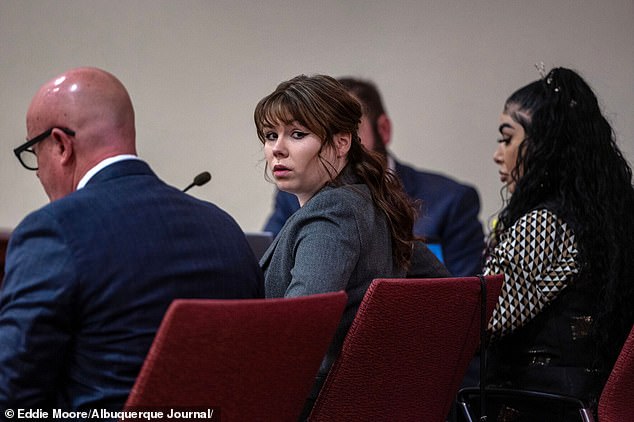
x,y
85,99
96,106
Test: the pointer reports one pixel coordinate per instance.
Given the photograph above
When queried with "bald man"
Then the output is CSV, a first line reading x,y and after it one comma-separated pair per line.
x,y
90,275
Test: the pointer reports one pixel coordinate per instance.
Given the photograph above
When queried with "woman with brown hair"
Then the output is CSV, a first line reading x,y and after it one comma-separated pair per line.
x,y
355,221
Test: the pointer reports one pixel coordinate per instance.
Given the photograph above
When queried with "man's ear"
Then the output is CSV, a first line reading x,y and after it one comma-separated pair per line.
x,y
64,147
342,144
384,127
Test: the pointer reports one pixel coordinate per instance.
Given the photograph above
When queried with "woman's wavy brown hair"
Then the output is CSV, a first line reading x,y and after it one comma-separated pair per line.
x,y
322,104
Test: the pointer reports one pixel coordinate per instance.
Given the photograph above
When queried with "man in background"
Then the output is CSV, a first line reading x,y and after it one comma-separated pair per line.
x,y
449,214
90,275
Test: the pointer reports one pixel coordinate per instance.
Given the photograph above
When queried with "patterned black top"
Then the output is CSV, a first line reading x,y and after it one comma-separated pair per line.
x,y
538,256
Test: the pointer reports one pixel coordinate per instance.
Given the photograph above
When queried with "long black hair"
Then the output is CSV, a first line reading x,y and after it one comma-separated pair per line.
x,y
570,161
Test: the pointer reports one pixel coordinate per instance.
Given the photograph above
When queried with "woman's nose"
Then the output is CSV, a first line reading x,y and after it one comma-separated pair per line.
x,y
498,156
279,147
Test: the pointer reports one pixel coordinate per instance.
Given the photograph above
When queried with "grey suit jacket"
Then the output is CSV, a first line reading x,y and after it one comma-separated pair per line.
x,y
339,240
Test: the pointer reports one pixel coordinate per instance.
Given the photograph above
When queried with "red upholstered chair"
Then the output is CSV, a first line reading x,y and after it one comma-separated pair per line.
x,y
407,350
250,360
615,403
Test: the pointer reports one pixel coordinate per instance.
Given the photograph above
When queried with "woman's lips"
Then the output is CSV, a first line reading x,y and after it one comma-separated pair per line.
x,y
280,171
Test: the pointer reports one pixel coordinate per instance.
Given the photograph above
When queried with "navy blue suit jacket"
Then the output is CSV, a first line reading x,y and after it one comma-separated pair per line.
x,y
449,217
90,276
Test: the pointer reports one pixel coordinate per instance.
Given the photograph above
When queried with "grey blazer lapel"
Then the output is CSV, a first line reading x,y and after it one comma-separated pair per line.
x,y
266,258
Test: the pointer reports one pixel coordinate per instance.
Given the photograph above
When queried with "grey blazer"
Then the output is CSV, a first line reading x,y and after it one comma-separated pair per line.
x,y
339,240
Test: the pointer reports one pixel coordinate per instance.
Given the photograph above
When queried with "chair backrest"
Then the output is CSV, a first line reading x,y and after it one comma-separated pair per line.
x,y
615,403
245,359
407,350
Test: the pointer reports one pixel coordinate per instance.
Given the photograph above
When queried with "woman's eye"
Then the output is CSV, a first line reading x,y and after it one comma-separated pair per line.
x,y
298,134
504,140
270,136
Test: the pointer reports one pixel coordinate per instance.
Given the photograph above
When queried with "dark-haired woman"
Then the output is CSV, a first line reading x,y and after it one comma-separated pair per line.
x,y
564,242
355,221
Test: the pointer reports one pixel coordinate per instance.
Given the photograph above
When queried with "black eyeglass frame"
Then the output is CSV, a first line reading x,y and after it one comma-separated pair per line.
x,y
39,138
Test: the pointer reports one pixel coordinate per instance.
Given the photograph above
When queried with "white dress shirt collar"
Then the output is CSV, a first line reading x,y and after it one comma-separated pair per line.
x,y
103,164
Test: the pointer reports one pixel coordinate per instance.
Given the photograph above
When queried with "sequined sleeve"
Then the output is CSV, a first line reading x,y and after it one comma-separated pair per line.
x,y
537,255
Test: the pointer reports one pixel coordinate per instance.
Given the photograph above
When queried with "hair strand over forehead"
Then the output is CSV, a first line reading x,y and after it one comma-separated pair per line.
x,y
318,102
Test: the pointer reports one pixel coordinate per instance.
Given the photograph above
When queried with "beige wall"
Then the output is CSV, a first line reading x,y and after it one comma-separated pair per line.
x,y
196,69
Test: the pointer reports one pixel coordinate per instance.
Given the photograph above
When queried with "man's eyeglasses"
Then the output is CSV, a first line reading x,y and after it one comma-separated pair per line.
x,y
25,152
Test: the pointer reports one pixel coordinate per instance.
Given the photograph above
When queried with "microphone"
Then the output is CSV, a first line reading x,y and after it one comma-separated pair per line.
x,y
199,180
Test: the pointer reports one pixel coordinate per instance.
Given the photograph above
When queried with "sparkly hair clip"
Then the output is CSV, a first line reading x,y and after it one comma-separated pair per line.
x,y
548,78
541,69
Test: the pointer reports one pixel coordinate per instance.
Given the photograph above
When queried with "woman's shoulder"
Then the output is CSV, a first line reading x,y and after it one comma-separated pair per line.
x,y
538,227
346,196
540,217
